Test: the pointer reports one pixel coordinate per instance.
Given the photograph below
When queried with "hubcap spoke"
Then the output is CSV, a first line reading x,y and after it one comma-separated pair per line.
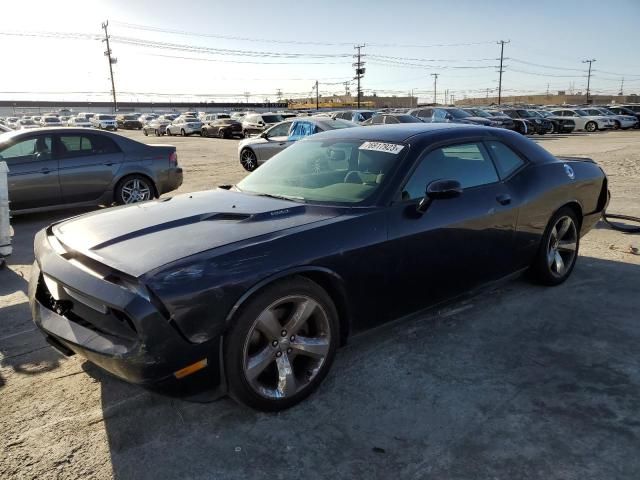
x,y
257,363
564,227
268,324
567,245
287,383
559,263
312,347
301,314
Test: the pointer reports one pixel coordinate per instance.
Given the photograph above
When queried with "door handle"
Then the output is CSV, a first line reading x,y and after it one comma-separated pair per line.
x,y
504,199
45,171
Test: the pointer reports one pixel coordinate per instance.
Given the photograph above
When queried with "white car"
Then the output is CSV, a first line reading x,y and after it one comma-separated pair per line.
x,y
212,117
79,122
620,121
50,122
584,121
104,121
184,126
26,123
11,122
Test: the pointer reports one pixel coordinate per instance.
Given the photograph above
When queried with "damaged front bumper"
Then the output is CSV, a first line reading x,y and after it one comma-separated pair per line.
x,y
84,307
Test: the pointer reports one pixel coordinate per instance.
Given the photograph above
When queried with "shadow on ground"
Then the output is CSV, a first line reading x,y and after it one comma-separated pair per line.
x,y
518,382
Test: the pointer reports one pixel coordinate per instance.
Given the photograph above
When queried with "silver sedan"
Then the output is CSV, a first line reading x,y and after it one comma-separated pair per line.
x,y
254,151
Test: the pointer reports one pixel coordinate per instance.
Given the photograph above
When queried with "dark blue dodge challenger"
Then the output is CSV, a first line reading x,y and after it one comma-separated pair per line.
x,y
251,288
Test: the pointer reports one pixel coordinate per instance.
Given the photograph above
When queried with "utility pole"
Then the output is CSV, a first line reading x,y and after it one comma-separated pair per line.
x,y
246,96
435,91
317,96
487,94
590,61
279,95
111,62
501,42
547,89
621,88
359,64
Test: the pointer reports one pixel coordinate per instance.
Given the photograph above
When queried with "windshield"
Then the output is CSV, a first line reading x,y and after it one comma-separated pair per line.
x,y
223,115
51,120
366,115
582,113
27,122
271,118
408,119
191,119
535,113
525,114
332,171
106,117
457,113
479,113
130,117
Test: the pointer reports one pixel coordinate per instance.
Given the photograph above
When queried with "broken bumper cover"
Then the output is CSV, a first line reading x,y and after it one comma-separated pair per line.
x,y
112,326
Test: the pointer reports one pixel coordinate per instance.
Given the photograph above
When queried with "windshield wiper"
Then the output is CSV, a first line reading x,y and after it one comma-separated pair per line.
x,y
279,197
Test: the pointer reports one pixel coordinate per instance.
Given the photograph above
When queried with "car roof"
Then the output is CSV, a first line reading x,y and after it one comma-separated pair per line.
x,y
398,132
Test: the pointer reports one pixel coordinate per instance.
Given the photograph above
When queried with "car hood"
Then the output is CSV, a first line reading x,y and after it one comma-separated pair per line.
x,y
138,238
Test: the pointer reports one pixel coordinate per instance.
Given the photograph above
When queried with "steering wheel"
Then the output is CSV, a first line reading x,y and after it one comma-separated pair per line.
x,y
353,177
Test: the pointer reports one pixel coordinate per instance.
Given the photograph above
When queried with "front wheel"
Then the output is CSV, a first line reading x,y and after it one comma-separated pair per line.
x,y
616,125
281,345
248,160
222,133
157,132
183,133
558,250
591,127
168,132
145,133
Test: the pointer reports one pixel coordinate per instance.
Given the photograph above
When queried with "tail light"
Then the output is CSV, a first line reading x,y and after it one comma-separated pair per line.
x,y
173,159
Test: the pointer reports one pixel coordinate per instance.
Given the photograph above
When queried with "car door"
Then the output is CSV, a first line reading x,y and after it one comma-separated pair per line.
x,y
33,172
88,163
276,140
458,243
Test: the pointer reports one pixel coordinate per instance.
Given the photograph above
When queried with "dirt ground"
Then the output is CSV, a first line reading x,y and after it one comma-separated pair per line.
x,y
519,382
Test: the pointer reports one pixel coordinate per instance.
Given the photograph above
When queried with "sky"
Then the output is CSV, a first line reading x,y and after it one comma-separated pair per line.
x,y
234,51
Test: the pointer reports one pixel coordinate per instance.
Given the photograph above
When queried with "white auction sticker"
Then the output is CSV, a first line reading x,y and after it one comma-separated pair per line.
x,y
382,147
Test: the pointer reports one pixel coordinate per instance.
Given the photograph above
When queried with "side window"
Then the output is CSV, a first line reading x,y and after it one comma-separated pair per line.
x,y
427,113
439,115
377,120
30,149
389,119
467,163
103,145
75,146
281,130
507,161
300,130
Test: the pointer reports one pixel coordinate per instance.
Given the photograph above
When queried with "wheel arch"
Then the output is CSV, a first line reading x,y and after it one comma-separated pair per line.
x,y
328,280
575,206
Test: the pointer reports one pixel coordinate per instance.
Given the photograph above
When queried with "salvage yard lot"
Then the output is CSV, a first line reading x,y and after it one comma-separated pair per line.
x,y
518,382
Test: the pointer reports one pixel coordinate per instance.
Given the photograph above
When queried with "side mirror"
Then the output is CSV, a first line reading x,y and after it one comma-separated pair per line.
x,y
439,190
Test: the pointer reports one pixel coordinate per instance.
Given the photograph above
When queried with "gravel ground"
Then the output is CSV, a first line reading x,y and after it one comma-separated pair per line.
x,y
518,382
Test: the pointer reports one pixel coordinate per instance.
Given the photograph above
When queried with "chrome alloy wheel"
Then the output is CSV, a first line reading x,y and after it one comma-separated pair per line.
x,y
135,190
248,160
561,250
286,347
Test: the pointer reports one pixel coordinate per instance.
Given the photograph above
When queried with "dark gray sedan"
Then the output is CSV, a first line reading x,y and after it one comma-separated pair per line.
x,y
69,167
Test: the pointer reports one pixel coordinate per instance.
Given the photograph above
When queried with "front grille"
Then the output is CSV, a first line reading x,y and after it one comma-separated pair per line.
x,y
110,321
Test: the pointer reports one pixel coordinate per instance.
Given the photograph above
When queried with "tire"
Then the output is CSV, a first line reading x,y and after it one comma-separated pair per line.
x,y
204,133
267,331
145,190
545,268
553,128
616,125
591,127
245,134
168,132
183,133
145,133
157,133
222,134
248,160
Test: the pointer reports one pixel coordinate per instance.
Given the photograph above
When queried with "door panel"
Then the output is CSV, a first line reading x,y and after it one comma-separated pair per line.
x,y
455,245
33,173
87,166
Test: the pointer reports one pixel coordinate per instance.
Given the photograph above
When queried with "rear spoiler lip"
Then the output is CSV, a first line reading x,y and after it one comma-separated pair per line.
x,y
576,159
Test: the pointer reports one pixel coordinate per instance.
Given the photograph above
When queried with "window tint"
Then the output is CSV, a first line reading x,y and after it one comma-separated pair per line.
x,y
426,113
75,146
467,163
34,148
390,119
377,120
103,145
507,161
439,114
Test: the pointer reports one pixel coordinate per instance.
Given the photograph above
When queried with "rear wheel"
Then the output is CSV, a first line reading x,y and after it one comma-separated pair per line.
x,y
168,132
248,160
145,132
183,133
134,189
157,132
282,345
222,133
558,250
591,126
616,125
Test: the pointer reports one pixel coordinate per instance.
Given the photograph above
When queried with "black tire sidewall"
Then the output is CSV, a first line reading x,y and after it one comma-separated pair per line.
x,y
234,340
540,268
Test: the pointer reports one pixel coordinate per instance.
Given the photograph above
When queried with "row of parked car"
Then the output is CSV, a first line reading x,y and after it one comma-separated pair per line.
x,y
252,152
